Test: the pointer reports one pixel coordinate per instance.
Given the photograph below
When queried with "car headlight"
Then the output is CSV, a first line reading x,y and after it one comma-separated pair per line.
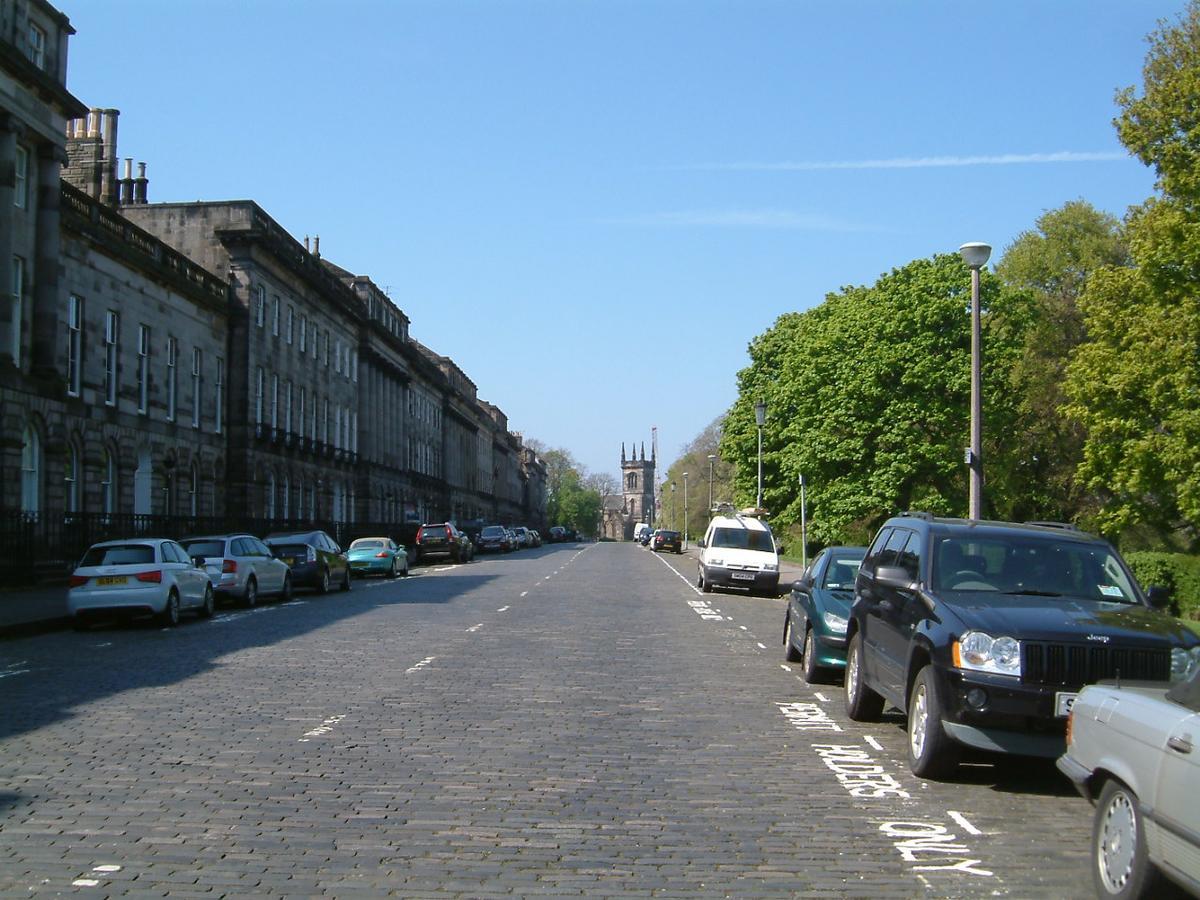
x,y
1184,662
716,561
771,567
980,652
835,623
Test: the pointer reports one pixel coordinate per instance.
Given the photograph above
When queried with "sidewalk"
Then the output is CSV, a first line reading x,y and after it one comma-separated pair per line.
x,y
33,609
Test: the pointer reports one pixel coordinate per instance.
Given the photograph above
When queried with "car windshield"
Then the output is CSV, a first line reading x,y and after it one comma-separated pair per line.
x,y
433,531
1018,566
290,549
367,544
742,539
119,555
668,535
204,548
841,573
492,531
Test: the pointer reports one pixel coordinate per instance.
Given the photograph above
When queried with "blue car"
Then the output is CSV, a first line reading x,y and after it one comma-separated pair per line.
x,y
378,556
814,632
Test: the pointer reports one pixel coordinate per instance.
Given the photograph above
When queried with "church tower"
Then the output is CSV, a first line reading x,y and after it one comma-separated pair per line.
x,y
637,487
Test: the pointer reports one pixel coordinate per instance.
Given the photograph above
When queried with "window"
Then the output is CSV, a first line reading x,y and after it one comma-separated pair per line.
x,y
287,410
275,315
260,387
21,192
327,349
910,557
74,345
337,356
269,505
303,333
108,483
285,498
111,323
291,321
260,306
31,472
197,361
354,366
18,292
219,399
274,401
325,423
143,367
71,485
194,490
337,427
300,415
316,341
354,432
37,45
172,356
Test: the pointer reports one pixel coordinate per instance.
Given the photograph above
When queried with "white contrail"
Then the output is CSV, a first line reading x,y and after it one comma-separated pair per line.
x,y
917,162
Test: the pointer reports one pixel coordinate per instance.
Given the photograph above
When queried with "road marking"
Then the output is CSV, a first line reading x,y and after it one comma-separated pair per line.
x,y
85,882
679,574
523,593
962,820
502,609
762,646
702,610
808,717
107,869
914,838
820,696
785,668
874,743
743,627
474,628
445,568
419,666
324,728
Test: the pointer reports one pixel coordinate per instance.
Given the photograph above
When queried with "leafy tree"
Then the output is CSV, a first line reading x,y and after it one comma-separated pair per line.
x,y
1134,385
868,396
1052,262
572,498
694,460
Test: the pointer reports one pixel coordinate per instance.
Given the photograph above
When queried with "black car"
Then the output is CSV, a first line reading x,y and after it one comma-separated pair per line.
x,y
494,539
314,558
667,540
984,632
443,539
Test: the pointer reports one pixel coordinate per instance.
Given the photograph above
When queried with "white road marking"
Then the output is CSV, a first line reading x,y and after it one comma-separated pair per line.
x,y
419,666
445,568
474,628
962,820
324,728
762,646
680,574
874,743
743,627
107,869
785,668
820,696
502,609
523,593
85,882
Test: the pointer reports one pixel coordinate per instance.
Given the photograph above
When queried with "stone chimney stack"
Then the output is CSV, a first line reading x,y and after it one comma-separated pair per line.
x,y
139,185
108,171
317,246
126,193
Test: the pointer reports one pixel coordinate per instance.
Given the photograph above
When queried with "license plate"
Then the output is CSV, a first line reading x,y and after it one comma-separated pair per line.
x,y
111,579
742,576
358,565
1063,702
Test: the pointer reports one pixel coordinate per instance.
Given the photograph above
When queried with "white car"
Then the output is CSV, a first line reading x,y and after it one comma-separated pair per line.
x,y
143,576
241,567
1133,750
738,551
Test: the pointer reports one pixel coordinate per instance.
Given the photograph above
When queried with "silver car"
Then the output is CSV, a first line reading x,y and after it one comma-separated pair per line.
x,y
1133,750
241,567
141,576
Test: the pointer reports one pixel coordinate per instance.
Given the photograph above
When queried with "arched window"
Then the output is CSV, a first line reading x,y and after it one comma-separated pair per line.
x,y
72,483
31,472
631,481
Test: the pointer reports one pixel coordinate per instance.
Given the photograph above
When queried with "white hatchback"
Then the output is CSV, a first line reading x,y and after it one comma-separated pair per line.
x,y
144,576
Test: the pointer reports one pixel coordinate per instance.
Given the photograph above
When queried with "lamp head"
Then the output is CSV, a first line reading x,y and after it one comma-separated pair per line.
x,y
975,254
760,413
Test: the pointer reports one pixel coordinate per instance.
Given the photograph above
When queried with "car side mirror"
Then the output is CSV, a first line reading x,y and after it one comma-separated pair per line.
x,y
700,543
803,583
1158,596
894,577
780,549
198,562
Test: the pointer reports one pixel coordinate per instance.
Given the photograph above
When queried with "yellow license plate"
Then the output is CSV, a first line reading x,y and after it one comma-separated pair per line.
x,y
111,579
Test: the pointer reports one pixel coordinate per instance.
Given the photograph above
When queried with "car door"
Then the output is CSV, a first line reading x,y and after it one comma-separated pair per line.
x,y
188,578
1176,808
901,615
883,643
271,570
802,591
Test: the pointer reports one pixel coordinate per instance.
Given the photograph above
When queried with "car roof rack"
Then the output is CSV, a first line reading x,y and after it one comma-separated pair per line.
x,y
917,514
1065,526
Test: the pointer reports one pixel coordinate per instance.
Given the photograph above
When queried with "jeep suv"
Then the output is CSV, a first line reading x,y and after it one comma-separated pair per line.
x,y
982,633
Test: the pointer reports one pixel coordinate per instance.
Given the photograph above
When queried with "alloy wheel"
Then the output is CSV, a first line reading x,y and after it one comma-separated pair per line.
x,y
1118,842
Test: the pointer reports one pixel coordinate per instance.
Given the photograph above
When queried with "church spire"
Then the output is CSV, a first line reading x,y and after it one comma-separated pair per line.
x,y
622,452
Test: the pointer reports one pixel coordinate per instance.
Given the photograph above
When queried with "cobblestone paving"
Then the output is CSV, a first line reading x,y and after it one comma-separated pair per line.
x,y
558,722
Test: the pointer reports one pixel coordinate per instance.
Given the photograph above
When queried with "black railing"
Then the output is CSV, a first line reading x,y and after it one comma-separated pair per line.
x,y
40,548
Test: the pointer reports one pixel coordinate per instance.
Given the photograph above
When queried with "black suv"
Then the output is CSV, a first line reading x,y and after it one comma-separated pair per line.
x,y
983,633
443,539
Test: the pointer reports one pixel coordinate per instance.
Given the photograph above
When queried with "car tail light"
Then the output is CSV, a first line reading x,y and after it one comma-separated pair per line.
x,y
382,554
449,533
229,566
155,577
77,581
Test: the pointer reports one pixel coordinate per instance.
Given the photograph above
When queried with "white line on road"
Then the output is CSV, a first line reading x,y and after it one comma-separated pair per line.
x,y
743,627
324,728
503,609
962,820
523,593
874,743
820,696
475,628
762,646
419,666
785,668
680,574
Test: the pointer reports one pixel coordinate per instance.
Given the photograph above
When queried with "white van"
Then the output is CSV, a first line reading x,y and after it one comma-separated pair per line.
x,y
739,551
639,531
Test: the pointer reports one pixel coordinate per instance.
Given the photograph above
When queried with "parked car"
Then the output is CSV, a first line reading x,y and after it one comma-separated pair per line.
x,y
536,537
142,577
814,627
558,534
522,535
443,539
314,557
983,633
1131,751
494,538
738,551
667,540
377,556
646,537
241,567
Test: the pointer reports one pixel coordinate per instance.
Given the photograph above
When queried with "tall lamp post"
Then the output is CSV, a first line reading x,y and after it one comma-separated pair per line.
x,y
760,419
712,458
674,525
975,255
803,527
685,511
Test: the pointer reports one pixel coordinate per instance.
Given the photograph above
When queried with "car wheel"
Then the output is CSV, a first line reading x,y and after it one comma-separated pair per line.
x,y
250,598
346,580
789,649
209,606
705,584
170,614
286,594
323,582
931,752
862,703
812,669
392,572
1120,866
404,573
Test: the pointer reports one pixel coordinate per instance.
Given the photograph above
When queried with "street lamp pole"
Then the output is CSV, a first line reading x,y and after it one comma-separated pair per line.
x,y
674,521
760,419
975,255
712,457
685,511
803,526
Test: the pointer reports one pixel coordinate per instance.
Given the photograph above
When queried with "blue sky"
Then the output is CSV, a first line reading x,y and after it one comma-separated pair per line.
x,y
593,206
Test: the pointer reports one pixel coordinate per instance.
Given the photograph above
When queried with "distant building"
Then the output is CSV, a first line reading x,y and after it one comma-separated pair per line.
x,y
636,503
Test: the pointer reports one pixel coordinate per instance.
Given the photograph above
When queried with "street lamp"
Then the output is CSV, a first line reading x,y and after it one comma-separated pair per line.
x,y
975,255
712,457
760,418
803,526
673,520
685,511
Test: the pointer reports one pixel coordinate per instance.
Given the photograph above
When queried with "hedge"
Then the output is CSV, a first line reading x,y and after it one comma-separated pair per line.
x,y
1178,572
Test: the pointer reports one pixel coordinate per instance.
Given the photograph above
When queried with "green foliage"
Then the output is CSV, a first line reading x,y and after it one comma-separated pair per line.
x,y
694,460
569,501
868,397
1178,572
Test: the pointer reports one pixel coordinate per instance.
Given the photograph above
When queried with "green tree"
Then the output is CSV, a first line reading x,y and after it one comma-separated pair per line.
x,y
1053,262
694,460
1134,384
572,497
868,396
